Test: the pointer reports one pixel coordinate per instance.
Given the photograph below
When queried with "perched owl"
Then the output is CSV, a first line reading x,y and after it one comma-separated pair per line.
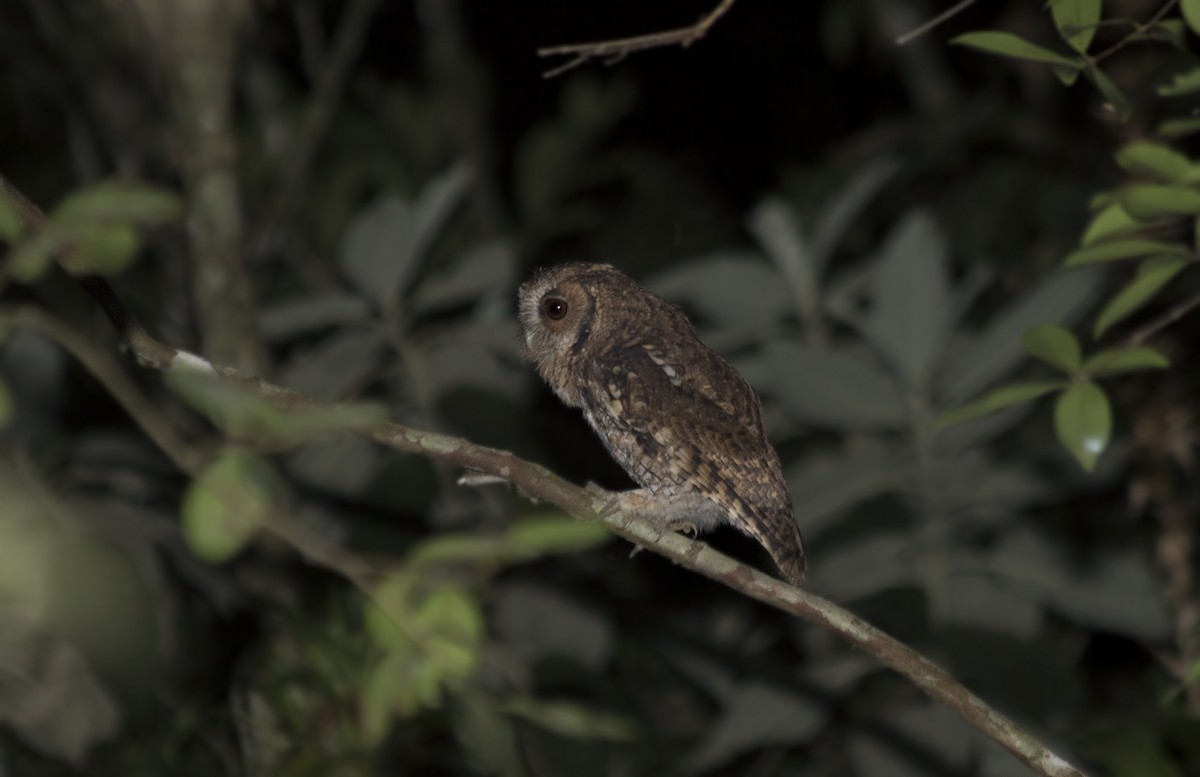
x,y
681,421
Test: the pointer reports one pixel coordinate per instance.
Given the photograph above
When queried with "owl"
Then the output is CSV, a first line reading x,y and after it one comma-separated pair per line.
x,y
676,416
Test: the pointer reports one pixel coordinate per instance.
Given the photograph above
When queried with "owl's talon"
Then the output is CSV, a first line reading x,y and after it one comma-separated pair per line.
x,y
685,527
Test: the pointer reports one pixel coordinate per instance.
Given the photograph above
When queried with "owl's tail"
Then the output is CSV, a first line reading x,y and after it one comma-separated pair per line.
x,y
789,555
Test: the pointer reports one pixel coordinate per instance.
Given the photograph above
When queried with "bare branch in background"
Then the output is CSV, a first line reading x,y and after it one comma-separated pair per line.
x,y
617,49
940,19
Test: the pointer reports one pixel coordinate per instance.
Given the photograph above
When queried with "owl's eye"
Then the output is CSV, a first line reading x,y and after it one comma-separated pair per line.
x,y
555,307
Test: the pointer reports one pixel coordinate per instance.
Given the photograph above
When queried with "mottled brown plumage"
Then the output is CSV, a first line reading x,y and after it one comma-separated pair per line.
x,y
681,421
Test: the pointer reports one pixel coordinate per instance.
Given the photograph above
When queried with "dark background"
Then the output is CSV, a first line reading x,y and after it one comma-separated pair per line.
x,y
961,180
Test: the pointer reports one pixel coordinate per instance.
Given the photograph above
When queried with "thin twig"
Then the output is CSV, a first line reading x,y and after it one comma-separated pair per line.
x,y
1169,317
617,49
1130,38
941,18
540,483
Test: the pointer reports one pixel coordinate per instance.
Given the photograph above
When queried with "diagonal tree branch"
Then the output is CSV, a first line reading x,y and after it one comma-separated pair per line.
x,y
539,483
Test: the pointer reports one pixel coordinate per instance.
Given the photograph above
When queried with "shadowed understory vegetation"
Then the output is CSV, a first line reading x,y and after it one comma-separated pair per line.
x,y
956,270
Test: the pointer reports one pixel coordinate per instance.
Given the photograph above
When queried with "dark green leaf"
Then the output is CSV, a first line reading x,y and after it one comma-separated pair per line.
x,y
997,349
539,623
1116,590
1173,31
1000,398
444,621
543,535
1125,360
758,715
374,249
448,624
572,720
117,202
1128,248
1148,201
1153,274
227,504
1111,221
846,204
103,249
1182,84
484,269
33,256
1083,422
525,540
1076,21
907,322
1157,160
244,414
1173,129
11,225
730,289
401,683
488,737
1009,45
1111,93
827,386
390,608
1191,14
1055,346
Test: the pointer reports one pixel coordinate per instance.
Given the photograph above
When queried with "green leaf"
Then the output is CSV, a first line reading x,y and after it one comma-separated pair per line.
x,y
444,621
1055,346
1083,422
33,256
1009,45
1112,94
998,399
1173,31
1076,21
523,541
1191,14
1153,274
240,412
103,249
227,504
1121,249
117,202
1117,360
11,225
450,628
1111,221
387,614
572,720
488,737
1173,129
402,682
1148,201
1158,160
1182,84
544,535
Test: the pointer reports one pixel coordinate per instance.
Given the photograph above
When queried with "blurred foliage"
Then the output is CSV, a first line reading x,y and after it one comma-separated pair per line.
x,y
891,243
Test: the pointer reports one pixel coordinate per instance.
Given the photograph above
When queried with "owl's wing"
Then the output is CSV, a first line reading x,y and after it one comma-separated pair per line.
x,y
694,424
